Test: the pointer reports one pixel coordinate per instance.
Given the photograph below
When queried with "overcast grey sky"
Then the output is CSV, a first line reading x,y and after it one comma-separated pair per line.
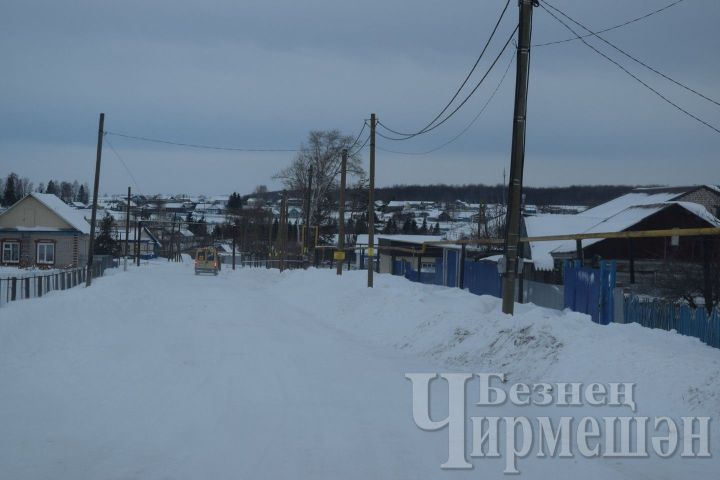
x,y
262,73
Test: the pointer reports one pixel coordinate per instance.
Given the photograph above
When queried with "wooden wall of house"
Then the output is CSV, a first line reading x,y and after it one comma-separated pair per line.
x,y
689,248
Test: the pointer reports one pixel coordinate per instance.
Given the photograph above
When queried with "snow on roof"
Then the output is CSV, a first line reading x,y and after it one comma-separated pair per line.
x,y
72,216
634,215
635,198
551,224
362,239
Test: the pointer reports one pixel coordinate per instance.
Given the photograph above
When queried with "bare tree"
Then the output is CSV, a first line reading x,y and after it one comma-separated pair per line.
x,y
686,282
323,152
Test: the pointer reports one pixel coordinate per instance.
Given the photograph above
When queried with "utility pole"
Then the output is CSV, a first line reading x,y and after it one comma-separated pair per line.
x,y
308,202
139,236
340,254
233,245
127,229
371,203
282,229
93,216
517,161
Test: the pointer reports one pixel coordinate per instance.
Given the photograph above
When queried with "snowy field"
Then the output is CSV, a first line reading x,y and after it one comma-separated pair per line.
x,y
160,374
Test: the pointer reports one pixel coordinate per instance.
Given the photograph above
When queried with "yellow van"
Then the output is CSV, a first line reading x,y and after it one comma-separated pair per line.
x,y
207,260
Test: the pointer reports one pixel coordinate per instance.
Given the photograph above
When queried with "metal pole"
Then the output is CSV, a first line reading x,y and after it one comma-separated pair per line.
x,y
93,216
518,155
341,213
127,229
371,204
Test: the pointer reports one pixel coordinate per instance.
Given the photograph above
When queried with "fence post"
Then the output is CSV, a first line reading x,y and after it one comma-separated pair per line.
x,y
39,286
13,289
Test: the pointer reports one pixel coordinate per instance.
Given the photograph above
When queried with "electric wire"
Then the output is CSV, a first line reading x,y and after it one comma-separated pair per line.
x,y
450,115
355,152
200,146
358,136
467,77
631,57
112,148
468,126
636,19
621,67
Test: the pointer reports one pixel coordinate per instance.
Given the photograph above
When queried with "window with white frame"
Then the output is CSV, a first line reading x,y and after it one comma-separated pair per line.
x,y
45,253
11,251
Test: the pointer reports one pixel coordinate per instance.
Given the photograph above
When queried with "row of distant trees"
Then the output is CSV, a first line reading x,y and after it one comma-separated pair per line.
x,y
14,187
588,195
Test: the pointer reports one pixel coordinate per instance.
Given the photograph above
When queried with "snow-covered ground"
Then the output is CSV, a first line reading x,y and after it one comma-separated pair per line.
x,y
160,374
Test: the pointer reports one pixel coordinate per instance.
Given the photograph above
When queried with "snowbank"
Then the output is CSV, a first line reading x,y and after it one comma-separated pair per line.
x,y
462,331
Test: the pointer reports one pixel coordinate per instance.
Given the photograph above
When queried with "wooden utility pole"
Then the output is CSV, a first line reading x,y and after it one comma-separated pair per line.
x,y
340,253
139,236
233,246
127,229
282,229
308,207
171,244
518,156
371,204
93,216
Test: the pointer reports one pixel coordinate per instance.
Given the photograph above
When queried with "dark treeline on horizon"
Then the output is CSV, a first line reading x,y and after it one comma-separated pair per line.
x,y
588,195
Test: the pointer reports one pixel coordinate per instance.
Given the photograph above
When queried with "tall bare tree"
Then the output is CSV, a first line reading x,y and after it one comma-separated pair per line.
x,y
323,152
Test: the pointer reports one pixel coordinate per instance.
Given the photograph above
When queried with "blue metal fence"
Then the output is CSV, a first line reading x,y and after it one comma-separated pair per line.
x,y
586,290
669,316
482,278
431,278
451,265
590,290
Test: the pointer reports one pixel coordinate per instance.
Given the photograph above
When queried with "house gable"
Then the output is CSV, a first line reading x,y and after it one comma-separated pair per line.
x,y
31,214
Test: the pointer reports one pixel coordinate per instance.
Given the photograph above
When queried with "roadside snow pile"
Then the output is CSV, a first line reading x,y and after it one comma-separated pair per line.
x,y
466,332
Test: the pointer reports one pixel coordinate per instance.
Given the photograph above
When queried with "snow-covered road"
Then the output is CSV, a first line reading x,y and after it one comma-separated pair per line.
x,y
160,374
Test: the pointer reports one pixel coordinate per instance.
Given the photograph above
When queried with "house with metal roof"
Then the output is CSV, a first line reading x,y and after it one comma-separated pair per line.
x,y
661,208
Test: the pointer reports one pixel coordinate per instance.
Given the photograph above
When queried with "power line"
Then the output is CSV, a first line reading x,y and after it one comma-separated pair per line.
x,y
636,19
467,77
358,136
200,146
634,59
107,140
468,126
447,117
355,152
617,64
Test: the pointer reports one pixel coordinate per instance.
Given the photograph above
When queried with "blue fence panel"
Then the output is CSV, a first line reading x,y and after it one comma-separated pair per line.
x,y
452,261
714,326
482,278
438,275
410,272
670,316
589,290
430,278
